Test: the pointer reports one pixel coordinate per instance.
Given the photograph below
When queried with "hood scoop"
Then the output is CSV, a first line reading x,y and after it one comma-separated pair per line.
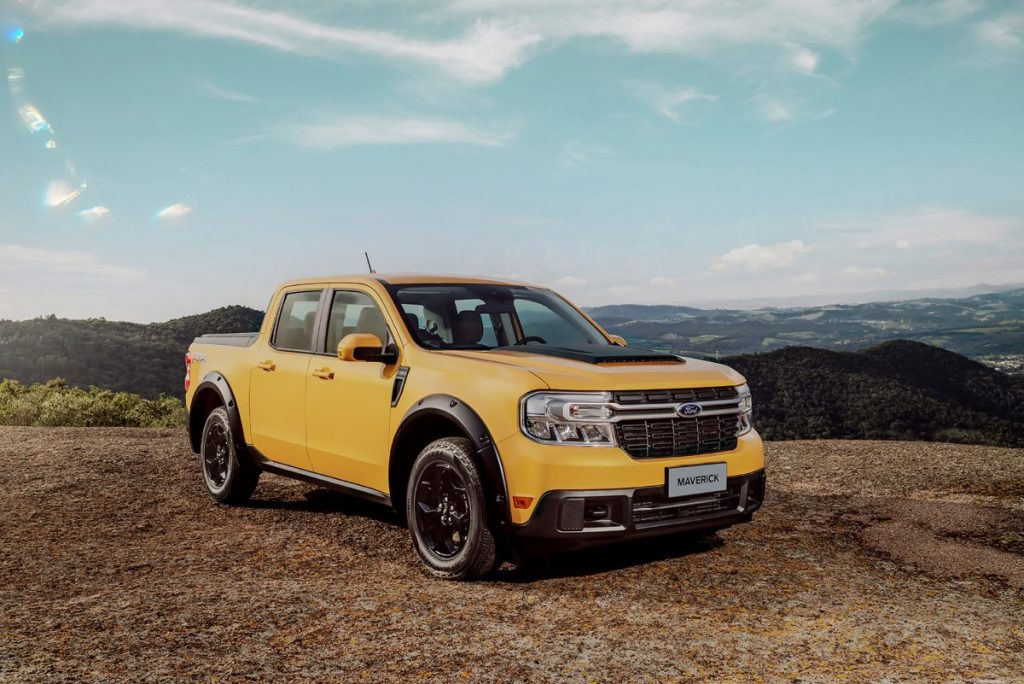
x,y
598,354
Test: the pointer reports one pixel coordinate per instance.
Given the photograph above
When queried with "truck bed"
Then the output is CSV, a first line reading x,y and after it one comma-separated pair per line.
x,y
244,339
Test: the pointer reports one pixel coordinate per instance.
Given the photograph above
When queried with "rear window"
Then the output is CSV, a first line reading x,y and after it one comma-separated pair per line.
x,y
294,328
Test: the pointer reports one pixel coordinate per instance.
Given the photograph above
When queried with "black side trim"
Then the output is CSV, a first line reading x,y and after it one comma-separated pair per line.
x,y
399,386
264,463
471,423
214,381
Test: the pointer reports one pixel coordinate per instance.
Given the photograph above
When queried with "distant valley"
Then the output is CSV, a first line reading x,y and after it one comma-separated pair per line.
x,y
986,327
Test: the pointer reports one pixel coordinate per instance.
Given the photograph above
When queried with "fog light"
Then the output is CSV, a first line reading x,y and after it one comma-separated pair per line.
x,y
597,512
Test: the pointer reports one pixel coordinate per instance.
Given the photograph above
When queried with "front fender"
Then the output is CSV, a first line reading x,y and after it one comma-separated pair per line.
x,y
457,411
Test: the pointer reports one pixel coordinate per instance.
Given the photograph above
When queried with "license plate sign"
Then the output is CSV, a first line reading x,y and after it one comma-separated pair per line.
x,y
697,479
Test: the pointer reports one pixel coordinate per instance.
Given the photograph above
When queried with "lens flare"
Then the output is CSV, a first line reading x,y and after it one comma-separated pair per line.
x,y
175,211
60,193
15,34
94,214
34,119
14,78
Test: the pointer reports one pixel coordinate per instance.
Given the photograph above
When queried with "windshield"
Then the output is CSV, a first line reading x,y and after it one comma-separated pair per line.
x,y
481,316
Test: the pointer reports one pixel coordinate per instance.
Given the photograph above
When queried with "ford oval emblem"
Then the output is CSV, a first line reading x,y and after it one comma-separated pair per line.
x,y
689,410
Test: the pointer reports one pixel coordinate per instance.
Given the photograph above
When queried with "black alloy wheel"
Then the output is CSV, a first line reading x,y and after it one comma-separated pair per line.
x,y
228,473
447,512
442,509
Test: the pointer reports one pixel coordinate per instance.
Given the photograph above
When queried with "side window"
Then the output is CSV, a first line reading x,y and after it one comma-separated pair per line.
x,y
354,312
294,327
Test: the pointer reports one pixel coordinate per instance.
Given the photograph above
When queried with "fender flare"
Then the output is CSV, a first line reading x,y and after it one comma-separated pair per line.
x,y
215,382
455,410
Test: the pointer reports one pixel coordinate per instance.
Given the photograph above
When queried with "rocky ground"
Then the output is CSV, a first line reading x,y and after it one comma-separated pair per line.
x,y
879,561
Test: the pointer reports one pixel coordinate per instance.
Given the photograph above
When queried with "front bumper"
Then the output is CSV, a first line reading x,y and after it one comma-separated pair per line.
x,y
565,520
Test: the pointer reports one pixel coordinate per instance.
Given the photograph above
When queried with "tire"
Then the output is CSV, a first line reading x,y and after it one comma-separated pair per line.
x,y
447,514
229,476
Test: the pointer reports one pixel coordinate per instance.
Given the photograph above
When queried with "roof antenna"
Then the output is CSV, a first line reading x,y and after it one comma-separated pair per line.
x,y
368,264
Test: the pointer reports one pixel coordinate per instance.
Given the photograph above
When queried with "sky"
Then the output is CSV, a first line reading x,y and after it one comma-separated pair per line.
x,y
162,158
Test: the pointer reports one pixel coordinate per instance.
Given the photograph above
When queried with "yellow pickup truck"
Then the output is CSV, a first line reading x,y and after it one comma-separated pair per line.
x,y
498,420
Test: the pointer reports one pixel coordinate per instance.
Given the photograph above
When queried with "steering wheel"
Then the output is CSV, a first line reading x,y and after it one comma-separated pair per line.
x,y
528,339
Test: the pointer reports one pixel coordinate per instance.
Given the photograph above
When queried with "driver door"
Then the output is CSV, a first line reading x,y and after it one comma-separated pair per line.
x,y
348,403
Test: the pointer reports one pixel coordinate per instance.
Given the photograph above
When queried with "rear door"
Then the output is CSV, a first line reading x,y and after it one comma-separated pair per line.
x,y
348,405
277,392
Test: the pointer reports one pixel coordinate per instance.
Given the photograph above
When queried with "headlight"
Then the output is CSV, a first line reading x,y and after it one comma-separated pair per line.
x,y
580,419
747,408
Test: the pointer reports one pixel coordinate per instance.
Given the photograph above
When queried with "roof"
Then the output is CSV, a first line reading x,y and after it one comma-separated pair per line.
x,y
402,279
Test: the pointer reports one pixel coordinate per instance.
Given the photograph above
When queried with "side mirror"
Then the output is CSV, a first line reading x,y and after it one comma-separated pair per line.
x,y
366,347
618,339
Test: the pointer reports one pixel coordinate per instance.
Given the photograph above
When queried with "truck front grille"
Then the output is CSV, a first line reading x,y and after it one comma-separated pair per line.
x,y
677,436
658,432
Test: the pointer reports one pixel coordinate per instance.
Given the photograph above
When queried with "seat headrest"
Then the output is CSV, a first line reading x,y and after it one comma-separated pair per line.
x,y
372,321
469,328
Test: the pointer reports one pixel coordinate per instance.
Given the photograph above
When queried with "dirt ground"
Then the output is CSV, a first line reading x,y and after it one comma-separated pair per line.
x,y
879,561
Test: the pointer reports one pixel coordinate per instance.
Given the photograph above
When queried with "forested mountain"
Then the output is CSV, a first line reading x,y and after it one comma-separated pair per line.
x,y
983,326
147,359
897,390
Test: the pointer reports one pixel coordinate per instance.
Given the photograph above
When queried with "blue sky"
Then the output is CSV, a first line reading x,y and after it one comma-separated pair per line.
x,y
160,158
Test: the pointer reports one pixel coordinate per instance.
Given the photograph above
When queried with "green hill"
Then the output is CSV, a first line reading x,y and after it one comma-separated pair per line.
x,y
897,390
146,359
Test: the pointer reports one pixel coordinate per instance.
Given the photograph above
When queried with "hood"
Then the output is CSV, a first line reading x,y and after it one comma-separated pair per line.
x,y
607,369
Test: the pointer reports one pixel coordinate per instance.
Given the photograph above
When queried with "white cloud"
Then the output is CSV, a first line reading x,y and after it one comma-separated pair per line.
x,y
936,12
1001,39
926,227
484,52
93,214
175,211
365,130
214,90
787,108
569,281
803,60
493,37
581,152
803,279
22,261
863,273
774,110
667,101
754,258
662,281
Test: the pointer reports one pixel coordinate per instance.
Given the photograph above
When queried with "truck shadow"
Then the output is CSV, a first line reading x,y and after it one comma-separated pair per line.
x,y
601,559
618,556
327,501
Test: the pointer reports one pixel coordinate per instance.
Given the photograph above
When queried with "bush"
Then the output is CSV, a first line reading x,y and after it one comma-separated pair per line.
x,y
54,403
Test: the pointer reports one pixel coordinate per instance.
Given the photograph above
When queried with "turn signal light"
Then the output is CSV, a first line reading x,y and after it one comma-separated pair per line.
x,y
522,501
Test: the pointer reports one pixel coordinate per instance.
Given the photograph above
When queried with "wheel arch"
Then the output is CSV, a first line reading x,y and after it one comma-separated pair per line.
x,y
434,417
212,392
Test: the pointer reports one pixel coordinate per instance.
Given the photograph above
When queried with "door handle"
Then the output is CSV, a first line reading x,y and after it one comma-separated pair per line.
x,y
266,365
323,373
